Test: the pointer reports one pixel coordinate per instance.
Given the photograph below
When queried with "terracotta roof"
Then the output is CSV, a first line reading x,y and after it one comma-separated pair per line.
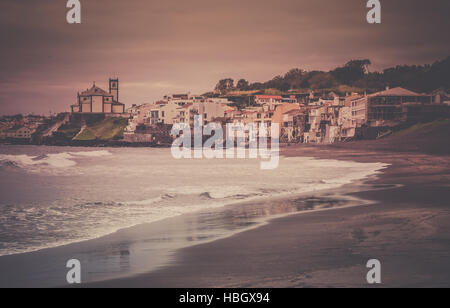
x,y
268,97
293,112
95,91
396,92
354,96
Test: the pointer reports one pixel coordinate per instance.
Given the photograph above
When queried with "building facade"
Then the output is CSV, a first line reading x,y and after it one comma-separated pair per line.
x,y
18,132
97,100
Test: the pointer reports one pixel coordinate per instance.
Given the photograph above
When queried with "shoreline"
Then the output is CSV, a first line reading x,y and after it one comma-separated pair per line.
x,y
176,271
132,235
331,248
335,191
89,144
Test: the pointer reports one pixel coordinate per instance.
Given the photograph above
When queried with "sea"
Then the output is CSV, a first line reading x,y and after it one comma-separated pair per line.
x,y
54,196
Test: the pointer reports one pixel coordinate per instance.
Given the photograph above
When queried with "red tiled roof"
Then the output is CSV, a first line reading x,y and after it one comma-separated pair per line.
x,y
268,97
295,111
399,91
95,91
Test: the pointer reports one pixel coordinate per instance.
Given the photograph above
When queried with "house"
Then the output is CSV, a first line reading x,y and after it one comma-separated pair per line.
x,y
346,124
290,99
268,99
210,110
165,113
280,110
389,107
18,132
358,108
441,97
185,114
313,132
96,100
293,126
3,129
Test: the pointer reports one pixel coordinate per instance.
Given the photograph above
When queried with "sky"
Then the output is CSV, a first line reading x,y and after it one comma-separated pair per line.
x,y
177,46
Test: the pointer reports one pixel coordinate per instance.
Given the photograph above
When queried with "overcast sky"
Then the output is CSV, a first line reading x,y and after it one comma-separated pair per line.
x,y
158,47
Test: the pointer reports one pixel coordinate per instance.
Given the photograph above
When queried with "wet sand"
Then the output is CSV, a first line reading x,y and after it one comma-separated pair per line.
x,y
407,229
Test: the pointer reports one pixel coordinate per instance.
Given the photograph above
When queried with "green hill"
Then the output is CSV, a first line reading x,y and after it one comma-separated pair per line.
x,y
428,138
105,130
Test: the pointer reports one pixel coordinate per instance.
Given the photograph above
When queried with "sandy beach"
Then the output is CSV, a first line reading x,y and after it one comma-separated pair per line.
x,y
407,228
323,238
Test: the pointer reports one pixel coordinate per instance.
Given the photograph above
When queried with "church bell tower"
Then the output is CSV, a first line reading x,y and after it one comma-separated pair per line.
x,y
114,88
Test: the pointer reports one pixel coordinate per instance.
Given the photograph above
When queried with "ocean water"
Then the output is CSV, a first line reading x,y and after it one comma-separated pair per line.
x,y
53,196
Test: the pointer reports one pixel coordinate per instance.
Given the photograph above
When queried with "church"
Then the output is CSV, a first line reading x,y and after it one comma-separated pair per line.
x,y
97,100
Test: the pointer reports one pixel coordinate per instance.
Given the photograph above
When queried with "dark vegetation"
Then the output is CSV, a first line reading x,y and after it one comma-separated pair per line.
x,y
353,76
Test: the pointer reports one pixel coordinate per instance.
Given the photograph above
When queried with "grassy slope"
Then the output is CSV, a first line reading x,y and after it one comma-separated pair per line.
x,y
68,131
429,138
108,129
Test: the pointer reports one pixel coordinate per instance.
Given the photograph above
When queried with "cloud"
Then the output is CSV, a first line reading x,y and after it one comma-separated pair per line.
x,y
158,47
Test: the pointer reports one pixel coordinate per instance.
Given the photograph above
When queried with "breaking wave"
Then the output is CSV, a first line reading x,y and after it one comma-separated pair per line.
x,y
56,161
141,186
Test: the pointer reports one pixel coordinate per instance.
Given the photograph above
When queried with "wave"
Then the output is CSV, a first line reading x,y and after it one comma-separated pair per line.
x,y
69,220
9,164
58,160
92,153
206,195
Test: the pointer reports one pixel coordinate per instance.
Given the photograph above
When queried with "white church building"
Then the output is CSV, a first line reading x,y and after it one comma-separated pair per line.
x,y
97,100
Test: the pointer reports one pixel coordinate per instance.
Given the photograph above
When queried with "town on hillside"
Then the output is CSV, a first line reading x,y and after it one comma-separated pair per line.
x,y
98,117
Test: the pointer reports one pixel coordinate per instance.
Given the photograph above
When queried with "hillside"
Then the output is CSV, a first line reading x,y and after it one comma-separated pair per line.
x,y
89,130
106,130
429,138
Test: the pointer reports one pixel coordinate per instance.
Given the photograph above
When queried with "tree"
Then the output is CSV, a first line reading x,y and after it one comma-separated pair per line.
x,y
295,78
278,83
353,71
354,74
321,80
242,84
294,74
225,85
256,86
